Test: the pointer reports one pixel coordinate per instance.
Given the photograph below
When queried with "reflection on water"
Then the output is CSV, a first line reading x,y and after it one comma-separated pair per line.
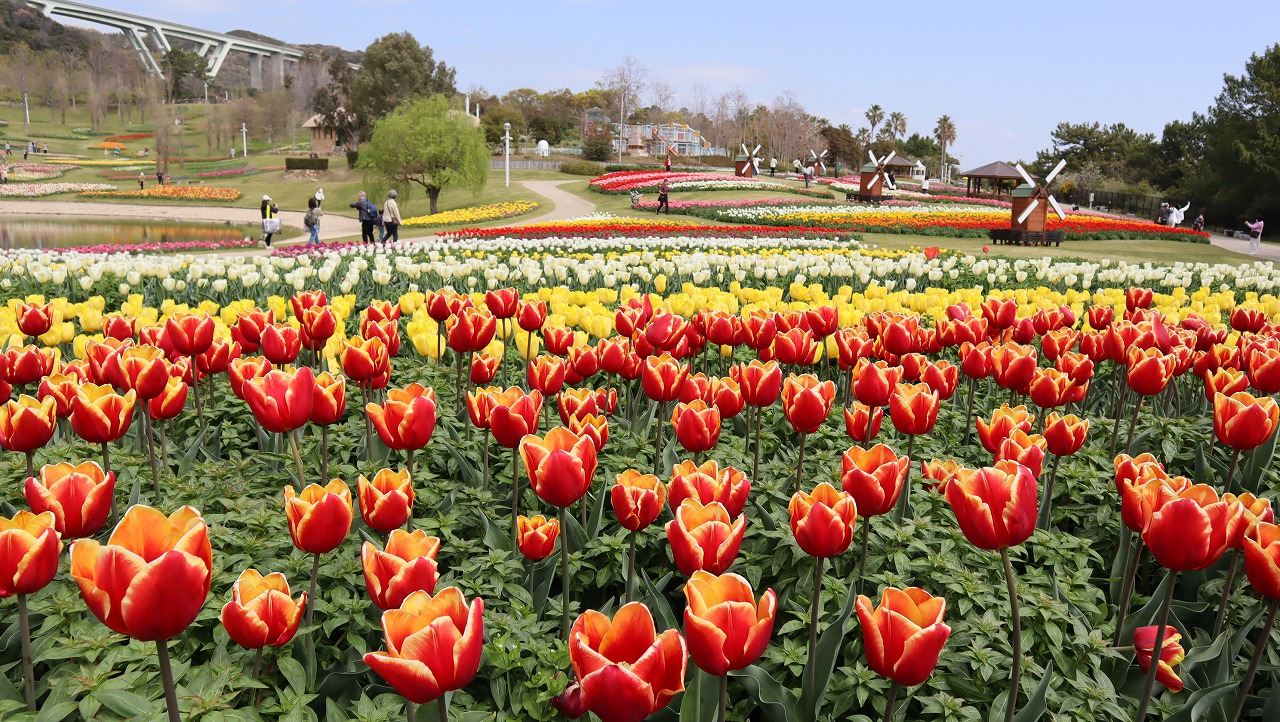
x,y
21,233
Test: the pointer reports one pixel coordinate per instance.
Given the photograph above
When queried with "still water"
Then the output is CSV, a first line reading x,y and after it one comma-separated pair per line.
x,y
22,233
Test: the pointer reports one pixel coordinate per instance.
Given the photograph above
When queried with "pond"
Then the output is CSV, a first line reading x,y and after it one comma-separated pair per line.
x,y
18,232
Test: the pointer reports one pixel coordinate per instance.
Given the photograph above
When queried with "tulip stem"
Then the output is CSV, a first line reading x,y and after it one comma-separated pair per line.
x,y
515,498
657,446
311,595
891,702
862,560
1016,617
486,461
1046,510
443,705
410,711
106,467
1150,685
1254,661
257,663
1115,425
1130,574
324,454
814,610
297,457
1231,472
164,445
968,414
1133,422
195,389
755,466
1226,595
31,464
151,452
460,405
631,565
28,669
904,500
724,697
166,676
800,462
564,576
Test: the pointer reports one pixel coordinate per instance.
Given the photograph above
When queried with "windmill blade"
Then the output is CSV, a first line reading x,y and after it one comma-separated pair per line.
x,y
1025,175
757,150
1026,213
1056,170
744,149
872,155
874,180
1057,208
892,154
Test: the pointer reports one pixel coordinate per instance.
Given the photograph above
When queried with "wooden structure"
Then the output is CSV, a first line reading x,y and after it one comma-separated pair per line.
x,y
1030,212
743,167
1001,178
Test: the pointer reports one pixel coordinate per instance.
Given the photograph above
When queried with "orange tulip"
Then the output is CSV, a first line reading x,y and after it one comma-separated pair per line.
x,y
1243,421
407,565
317,325
1004,421
760,383
434,645
536,536
708,483
281,401
874,381
329,399
873,477
662,377
1026,449
623,669
995,506
514,415
1171,654
79,497
697,426
1050,388
576,402
862,422
942,472
823,522
406,421
386,502
281,343
262,612
592,426
1064,435
703,537
29,549
1262,559
245,368
61,387
560,465
1149,370
637,499
807,402
913,408
726,627
320,517
903,636
546,374
151,579
190,334
34,320
100,415
170,403
26,424
1224,381
142,369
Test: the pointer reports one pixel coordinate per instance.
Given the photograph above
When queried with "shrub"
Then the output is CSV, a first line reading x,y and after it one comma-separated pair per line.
x,y
582,167
353,157
306,163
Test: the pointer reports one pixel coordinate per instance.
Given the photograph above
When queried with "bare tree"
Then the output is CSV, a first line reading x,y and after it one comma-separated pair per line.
x,y
21,66
627,81
661,95
273,113
698,99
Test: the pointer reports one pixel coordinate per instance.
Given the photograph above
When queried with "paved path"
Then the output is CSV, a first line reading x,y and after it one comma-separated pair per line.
x,y
1266,251
331,226
568,205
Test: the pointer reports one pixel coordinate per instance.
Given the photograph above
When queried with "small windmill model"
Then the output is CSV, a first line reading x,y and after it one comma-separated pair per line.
x,y
818,160
875,177
1031,202
747,165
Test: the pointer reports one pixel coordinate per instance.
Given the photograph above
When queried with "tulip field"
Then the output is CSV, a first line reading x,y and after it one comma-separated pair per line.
x,y
624,469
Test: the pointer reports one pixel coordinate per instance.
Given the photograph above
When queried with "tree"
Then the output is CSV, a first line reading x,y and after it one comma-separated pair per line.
x,y
273,112
395,69
945,133
626,82
874,115
426,142
897,125
1117,150
21,65
598,143
493,119
178,65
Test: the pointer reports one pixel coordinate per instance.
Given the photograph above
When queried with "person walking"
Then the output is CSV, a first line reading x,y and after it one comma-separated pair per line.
x,y
668,164
773,166
808,175
311,221
663,198
1255,234
270,223
319,197
368,217
159,177
1198,224
142,181
391,217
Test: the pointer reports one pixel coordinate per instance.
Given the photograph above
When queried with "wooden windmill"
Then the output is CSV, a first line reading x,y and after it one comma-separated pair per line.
x,y
875,177
1030,213
818,160
747,165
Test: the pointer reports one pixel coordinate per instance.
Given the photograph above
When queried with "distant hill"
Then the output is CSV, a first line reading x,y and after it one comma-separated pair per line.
x,y
21,23
351,56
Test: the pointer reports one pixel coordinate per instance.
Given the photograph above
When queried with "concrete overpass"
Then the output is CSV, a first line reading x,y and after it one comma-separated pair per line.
x,y
148,34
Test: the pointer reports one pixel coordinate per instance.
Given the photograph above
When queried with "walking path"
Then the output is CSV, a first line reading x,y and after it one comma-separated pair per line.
x,y
568,205
331,226
1266,251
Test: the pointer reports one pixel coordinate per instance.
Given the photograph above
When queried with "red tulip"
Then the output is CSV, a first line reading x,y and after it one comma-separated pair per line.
x,y
317,325
759,328
708,483
637,499
807,402
34,320
592,426
407,565
243,369
913,409
247,330
531,315
190,334
903,636
514,415
536,536
873,477
662,377
100,415
1262,559
760,383
697,426
27,424
1243,421
1013,365
60,387
703,537
304,300
28,364
29,549
560,465
281,343
502,302
1149,370
281,401
823,522
407,419
975,360
320,517
1192,530
1171,654
546,374
329,399
471,330
995,506
1004,421
1064,435
434,645
261,612
79,497
386,502
1026,449
874,381
364,360
1000,312
862,422
726,627
151,579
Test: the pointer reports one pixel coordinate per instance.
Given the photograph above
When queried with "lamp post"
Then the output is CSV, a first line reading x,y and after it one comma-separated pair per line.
x,y
244,140
506,152
26,114
622,126
182,143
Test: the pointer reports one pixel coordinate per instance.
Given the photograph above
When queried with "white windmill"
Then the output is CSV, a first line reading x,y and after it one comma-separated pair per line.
x,y
818,159
873,175
748,164
1031,202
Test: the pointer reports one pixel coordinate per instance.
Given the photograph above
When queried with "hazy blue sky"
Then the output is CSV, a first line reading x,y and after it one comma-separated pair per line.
x,y
1007,73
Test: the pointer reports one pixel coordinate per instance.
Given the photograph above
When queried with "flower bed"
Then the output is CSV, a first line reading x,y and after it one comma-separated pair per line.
x,y
474,214
180,193
93,162
37,190
27,172
649,181
164,247
128,137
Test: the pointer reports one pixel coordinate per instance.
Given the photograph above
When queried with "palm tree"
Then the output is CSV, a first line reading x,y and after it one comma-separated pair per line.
x,y
874,115
945,132
897,125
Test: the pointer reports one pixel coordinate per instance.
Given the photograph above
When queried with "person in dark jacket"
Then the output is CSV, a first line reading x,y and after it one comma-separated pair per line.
x,y
368,217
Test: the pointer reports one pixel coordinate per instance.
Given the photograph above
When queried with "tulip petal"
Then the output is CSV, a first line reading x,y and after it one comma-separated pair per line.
x,y
165,597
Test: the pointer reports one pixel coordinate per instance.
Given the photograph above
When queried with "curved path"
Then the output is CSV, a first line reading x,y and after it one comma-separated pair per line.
x,y
568,205
1266,251
331,226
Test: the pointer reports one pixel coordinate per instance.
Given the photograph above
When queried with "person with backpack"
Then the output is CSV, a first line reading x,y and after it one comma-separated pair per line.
x,y
368,217
311,221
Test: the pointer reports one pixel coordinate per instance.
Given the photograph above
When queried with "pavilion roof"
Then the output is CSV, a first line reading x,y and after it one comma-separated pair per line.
x,y
998,169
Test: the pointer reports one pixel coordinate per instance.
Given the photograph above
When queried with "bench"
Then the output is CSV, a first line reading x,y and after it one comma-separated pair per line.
x,y
1011,237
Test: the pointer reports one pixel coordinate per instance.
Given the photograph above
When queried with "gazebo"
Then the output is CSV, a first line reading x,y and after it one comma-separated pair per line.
x,y
1003,177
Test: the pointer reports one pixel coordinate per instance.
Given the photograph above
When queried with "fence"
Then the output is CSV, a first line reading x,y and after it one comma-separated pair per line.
x,y
1141,206
526,164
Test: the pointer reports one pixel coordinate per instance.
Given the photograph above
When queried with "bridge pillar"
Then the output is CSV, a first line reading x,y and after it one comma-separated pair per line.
x,y
217,57
277,70
255,71
139,44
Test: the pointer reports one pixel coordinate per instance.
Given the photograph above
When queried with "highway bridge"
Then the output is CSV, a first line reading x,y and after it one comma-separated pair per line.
x,y
151,38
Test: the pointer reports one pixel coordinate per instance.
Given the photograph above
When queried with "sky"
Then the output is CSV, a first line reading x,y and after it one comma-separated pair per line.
x,y
1006,73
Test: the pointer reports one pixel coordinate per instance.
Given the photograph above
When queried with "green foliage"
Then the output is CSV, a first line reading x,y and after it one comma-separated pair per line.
x,y
21,23
1117,150
427,143
492,120
182,65
306,163
582,167
396,69
598,143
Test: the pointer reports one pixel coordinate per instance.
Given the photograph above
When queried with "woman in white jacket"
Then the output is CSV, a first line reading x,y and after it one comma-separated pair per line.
x,y
391,217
